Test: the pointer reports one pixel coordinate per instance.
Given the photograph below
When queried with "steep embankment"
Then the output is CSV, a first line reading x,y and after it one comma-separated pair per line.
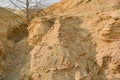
x,y
81,43
13,45
75,40
82,7
65,52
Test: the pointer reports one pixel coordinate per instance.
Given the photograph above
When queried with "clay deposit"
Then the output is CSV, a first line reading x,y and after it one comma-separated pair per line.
x,y
74,40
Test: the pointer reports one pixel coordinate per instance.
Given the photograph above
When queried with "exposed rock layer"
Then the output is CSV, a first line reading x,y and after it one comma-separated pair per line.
x,y
76,40
84,46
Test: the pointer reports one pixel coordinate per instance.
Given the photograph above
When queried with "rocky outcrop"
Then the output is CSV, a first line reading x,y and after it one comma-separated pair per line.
x,y
75,40
106,35
65,52
84,46
37,29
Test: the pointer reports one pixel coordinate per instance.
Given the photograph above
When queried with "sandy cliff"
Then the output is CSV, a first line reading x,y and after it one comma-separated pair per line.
x,y
75,40
82,43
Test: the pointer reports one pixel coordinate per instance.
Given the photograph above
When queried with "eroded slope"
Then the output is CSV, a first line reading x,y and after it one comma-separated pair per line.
x,y
80,42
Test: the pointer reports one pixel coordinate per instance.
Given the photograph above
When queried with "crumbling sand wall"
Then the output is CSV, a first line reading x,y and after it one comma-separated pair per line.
x,y
75,40
84,46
